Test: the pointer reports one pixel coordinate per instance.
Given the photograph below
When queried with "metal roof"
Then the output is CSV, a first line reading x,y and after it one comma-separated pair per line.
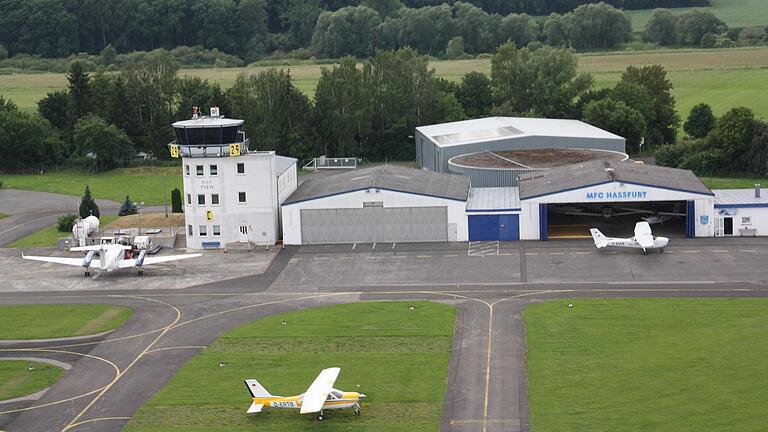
x,y
496,128
493,199
207,122
577,176
391,177
282,163
740,197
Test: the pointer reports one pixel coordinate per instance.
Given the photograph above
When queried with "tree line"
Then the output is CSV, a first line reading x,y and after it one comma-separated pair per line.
x,y
366,110
698,27
251,29
735,143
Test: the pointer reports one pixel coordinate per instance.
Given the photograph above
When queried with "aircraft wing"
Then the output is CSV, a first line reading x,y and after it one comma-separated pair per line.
x,y
317,393
77,262
166,258
643,234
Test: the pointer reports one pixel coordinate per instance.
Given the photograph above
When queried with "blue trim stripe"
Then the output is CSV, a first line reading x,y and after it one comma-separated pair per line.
x,y
366,188
757,205
612,181
495,210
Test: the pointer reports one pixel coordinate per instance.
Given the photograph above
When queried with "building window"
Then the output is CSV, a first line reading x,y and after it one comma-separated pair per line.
x,y
215,199
201,199
203,230
746,220
199,169
241,197
186,169
189,199
216,230
189,230
373,203
241,168
214,170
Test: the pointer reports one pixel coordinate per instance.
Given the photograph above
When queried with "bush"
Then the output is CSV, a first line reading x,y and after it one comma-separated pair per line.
x,y
66,222
176,201
671,155
704,163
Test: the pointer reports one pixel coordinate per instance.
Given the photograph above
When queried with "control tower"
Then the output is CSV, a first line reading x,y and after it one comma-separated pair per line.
x,y
231,194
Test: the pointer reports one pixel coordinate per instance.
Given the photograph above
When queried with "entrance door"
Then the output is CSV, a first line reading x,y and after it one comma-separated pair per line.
x,y
728,226
244,233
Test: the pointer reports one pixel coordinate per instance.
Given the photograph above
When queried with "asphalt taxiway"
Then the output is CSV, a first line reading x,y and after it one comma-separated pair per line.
x,y
114,374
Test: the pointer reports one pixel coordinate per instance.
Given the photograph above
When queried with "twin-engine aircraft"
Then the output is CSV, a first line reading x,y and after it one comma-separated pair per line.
x,y
111,257
643,238
319,396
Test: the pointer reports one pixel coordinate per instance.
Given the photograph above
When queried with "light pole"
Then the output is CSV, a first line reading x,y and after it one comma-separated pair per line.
x,y
138,210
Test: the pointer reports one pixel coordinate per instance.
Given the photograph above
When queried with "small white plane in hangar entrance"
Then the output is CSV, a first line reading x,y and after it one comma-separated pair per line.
x,y
643,239
111,257
319,396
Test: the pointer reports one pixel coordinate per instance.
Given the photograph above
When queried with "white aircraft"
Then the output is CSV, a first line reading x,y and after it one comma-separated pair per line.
x,y
319,396
643,239
111,257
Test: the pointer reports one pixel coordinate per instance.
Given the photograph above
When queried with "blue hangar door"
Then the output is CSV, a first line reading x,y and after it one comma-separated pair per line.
x,y
494,227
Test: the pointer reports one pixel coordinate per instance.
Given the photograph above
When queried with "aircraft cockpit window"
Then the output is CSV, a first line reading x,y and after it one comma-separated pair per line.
x,y
335,394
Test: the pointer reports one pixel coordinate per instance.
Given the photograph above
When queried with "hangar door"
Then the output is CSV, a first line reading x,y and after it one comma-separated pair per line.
x,y
494,227
374,224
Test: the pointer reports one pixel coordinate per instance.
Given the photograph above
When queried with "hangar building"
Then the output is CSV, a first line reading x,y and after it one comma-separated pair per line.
x,y
387,203
741,212
437,144
562,197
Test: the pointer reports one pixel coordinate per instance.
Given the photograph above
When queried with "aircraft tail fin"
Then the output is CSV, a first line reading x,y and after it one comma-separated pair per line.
x,y
255,408
600,240
256,389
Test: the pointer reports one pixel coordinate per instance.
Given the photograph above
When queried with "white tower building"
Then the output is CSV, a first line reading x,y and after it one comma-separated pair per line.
x,y
231,195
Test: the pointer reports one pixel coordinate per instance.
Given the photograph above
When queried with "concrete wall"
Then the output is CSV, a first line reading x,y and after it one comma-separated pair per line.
x,y
291,213
758,219
259,213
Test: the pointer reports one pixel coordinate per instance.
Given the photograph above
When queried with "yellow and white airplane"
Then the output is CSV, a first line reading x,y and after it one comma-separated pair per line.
x,y
319,396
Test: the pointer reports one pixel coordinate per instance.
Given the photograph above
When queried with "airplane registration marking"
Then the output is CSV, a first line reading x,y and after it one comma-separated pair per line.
x,y
284,404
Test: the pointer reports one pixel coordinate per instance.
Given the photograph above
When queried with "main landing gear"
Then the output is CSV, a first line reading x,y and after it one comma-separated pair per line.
x,y
87,273
357,409
320,416
141,272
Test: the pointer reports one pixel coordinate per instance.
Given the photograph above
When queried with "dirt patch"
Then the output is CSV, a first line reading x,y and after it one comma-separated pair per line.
x,y
544,158
148,220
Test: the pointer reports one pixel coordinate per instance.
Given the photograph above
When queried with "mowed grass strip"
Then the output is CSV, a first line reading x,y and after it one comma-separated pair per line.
x,y
54,321
398,356
733,183
17,380
143,184
681,364
50,236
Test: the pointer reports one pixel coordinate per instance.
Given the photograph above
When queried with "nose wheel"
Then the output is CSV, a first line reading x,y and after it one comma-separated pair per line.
x,y
320,416
357,409
661,251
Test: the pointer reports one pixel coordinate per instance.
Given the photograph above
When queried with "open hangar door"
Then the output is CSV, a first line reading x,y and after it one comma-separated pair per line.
x,y
375,225
616,219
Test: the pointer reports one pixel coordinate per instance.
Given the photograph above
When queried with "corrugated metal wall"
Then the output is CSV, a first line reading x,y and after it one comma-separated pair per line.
x,y
374,224
436,159
480,177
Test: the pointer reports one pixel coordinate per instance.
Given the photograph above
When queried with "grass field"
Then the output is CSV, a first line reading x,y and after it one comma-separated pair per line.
x,y
648,365
399,357
16,380
52,321
739,74
733,183
3,215
735,13
142,184
50,236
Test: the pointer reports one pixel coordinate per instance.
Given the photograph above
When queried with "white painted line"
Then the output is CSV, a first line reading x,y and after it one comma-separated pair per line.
x,y
450,256
354,245
747,250
321,258
504,254
399,256
557,253
393,245
423,256
531,253
719,251
346,257
372,257
690,251
374,246
583,253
